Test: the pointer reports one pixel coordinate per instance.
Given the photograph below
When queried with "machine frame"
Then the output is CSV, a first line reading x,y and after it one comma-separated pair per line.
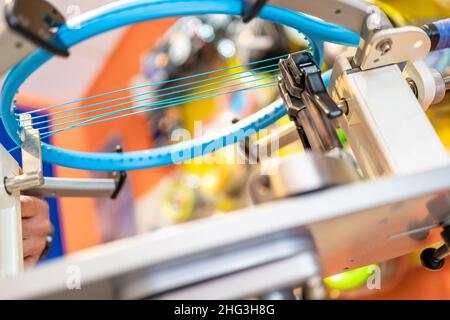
x,y
297,236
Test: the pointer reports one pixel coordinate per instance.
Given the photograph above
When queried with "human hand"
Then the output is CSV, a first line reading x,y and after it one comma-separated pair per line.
x,y
36,227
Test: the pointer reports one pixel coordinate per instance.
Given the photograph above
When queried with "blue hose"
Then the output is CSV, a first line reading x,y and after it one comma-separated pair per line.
x,y
125,13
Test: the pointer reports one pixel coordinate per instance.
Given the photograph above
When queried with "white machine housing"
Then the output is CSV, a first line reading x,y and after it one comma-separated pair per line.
x,y
11,252
386,126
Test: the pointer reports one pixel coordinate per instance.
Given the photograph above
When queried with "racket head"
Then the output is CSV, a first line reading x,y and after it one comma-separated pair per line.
x,y
129,12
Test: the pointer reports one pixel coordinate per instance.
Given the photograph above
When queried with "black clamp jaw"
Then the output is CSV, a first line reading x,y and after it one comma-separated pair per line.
x,y
119,177
251,9
37,21
307,102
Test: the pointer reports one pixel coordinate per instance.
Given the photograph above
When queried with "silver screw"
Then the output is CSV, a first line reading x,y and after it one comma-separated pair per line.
x,y
384,46
343,106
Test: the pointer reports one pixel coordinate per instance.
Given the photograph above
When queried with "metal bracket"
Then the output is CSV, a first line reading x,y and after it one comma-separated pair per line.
x,y
350,14
392,46
32,175
380,44
308,103
33,183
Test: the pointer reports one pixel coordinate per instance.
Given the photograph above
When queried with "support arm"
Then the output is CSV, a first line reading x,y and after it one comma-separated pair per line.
x,y
351,14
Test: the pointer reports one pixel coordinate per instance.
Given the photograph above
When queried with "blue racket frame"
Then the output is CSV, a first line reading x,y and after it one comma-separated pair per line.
x,y
125,13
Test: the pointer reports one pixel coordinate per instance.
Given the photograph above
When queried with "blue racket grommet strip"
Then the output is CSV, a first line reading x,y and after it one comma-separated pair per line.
x,y
123,13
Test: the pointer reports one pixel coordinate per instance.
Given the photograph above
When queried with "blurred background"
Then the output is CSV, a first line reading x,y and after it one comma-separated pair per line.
x,y
168,49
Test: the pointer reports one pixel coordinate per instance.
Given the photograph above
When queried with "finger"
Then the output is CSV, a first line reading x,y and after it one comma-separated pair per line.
x,y
32,206
33,246
30,261
37,226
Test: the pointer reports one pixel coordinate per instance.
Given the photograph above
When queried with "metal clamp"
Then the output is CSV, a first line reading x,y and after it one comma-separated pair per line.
x,y
77,188
33,183
308,103
32,175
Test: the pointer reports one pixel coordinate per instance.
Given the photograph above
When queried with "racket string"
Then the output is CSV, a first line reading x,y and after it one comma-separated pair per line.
x,y
195,89
161,83
172,102
189,85
98,121
156,100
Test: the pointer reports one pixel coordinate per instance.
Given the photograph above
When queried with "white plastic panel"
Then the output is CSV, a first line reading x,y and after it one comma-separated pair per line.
x,y
387,129
352,225
11,252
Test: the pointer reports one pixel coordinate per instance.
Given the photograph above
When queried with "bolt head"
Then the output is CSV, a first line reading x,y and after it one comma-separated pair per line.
x,y
428,260
385,46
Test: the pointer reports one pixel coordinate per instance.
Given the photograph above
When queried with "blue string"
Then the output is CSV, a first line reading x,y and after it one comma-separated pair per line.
x,y
80,125
177,100
147,93
157,84
246,75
